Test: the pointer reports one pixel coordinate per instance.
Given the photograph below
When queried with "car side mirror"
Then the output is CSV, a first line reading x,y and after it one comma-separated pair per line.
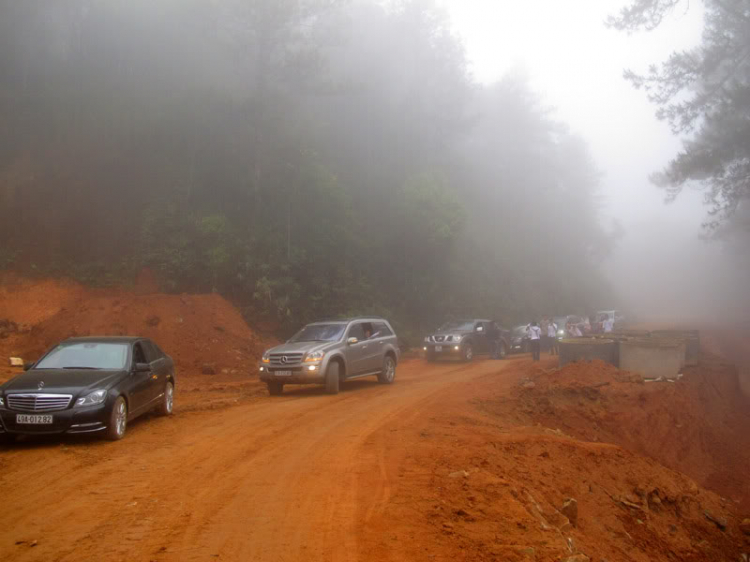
x,y
142,368
352,341
27,366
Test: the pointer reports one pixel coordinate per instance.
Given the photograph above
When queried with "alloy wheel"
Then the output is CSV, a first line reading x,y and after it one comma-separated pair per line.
x,y
390,369
121,418
169,397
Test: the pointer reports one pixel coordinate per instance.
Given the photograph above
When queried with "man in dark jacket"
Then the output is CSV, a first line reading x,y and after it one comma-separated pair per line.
x,y
493,338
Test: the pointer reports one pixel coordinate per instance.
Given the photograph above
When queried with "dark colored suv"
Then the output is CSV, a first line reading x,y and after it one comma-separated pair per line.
x,y
331,352
466,338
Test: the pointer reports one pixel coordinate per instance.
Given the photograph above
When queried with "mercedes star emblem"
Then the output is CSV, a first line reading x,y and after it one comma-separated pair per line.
x,y
40,385
283,359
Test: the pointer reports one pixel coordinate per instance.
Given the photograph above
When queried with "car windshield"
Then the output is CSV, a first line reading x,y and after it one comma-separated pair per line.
x,y
319,332
88,355
458,325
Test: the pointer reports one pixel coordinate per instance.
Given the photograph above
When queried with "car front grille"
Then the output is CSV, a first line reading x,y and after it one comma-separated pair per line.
x,y
441,339
286,358
38,402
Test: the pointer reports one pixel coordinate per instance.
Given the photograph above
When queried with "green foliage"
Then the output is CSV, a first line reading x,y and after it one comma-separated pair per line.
x,y
704,94
189,251
304,158
432,210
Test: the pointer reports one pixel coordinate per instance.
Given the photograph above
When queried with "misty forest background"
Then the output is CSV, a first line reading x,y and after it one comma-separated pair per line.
x,y
304,158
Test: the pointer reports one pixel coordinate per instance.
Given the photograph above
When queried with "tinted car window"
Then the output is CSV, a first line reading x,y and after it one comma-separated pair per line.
x,y
159,350
150,350
138,355
382,330
459,326
87,355
357,331
319,332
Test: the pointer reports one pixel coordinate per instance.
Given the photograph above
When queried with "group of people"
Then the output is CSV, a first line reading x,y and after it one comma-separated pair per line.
x,y
543,337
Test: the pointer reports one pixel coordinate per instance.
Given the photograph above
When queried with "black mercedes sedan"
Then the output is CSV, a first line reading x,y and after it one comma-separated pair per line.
x,y
88,385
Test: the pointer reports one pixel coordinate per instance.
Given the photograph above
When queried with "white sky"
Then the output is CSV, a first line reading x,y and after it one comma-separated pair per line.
x,y
576,64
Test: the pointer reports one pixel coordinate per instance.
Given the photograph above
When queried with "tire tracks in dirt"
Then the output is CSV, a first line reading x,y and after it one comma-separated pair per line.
x,y
287,478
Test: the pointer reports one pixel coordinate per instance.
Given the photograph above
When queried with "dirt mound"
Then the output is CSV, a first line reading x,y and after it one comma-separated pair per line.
x,y
509,503
699,425
194,329
479,487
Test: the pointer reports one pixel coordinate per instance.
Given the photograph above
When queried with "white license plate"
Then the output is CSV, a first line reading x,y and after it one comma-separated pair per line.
x,y
438,348
283,373
33,419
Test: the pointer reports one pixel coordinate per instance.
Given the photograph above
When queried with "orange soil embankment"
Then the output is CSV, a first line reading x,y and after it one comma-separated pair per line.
x,y
699,425
194,329
490,482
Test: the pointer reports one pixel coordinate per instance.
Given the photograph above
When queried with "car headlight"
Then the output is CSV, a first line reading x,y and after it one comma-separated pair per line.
x,y
457,338
560,332
2,402
314,356
266,357
427,339
96,397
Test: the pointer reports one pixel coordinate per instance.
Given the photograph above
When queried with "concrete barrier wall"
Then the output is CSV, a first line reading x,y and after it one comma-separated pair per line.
x,y
631,333
586,349
691,338
652,358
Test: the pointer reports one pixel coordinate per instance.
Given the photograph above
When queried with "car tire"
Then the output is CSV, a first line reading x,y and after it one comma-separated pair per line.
x,y
332,378
167,401
275,388
118,420
388,373
467,353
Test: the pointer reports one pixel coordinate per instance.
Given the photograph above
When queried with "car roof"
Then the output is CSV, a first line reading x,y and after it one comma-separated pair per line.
x,y
105,339
348,320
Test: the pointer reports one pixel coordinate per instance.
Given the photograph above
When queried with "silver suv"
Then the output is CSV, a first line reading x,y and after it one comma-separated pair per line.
x,y
331,352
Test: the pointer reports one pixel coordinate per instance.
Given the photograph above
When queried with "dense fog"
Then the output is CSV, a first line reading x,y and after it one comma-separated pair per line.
x,y
315,158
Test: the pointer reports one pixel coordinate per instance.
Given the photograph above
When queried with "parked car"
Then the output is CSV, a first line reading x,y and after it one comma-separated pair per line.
x,y
571,319
332,352
465,339
561,322
88,385
519,339
598,326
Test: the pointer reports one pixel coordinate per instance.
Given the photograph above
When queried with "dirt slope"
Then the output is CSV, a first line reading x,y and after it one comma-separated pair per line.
x,y
699,425
193,329
375,473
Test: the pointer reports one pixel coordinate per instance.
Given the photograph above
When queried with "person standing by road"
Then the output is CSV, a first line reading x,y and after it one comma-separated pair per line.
x,y
545,345
608,324
493,337
552,336
535,335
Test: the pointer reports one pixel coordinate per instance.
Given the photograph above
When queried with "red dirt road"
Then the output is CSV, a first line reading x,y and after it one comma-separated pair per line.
x,y
289,478
445,465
